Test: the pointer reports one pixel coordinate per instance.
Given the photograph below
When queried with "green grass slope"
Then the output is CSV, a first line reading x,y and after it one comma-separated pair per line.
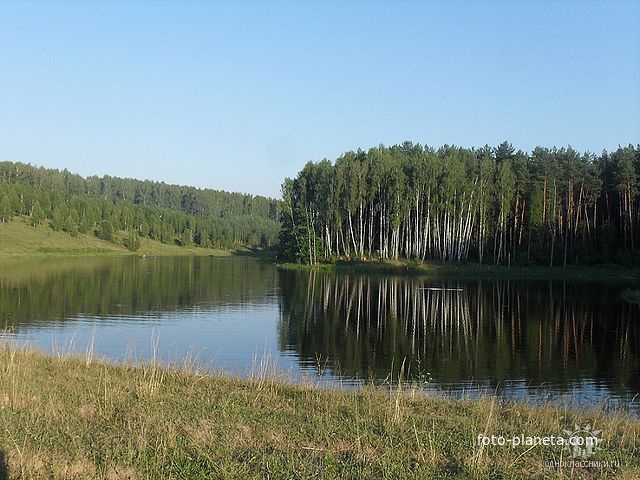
x,y
19,239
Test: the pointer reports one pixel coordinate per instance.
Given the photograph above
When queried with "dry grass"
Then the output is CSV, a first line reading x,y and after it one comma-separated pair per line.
x,y
75,418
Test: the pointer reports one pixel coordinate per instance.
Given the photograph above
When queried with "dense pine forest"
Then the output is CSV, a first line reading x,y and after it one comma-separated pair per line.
x,y
122,210
491,205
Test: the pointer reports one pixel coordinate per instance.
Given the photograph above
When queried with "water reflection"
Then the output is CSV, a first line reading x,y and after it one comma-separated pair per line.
x,y
60,289
562,336
223,310
520,338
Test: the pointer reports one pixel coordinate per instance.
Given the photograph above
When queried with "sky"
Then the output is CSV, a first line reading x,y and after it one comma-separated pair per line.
x,y
239,95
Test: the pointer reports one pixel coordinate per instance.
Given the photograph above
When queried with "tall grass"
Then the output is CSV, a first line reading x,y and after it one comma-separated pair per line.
x,y
64,416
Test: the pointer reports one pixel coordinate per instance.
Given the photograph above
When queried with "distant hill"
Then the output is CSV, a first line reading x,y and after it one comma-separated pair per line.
x,y
124,210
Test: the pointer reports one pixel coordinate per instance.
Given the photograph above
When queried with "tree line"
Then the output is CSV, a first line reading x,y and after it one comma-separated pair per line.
x,y
491,205
123,210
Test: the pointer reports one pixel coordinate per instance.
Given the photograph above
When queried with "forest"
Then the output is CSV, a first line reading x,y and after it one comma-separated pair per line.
x,y
123,210
553,206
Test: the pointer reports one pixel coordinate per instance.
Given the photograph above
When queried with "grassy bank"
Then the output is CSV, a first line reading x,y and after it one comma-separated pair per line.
x,y
72,418
17,239
448,270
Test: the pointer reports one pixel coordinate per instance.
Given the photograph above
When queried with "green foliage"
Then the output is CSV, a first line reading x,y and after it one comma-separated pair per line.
x,y
5,208
57,222
37,214
453,204
206,218
105,231
71,226
132,241
187,238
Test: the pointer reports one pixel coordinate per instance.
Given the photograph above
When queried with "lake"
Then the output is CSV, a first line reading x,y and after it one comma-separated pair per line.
x,y
565,341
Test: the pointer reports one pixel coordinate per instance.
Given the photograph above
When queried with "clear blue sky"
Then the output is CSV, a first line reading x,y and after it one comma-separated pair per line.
x,y
238,95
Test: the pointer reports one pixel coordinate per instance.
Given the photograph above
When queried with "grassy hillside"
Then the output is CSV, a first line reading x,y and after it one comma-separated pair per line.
x,y
154,210
74,418
19,239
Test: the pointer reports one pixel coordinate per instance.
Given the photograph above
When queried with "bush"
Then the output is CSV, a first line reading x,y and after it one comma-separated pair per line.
x,y
132,242
105,231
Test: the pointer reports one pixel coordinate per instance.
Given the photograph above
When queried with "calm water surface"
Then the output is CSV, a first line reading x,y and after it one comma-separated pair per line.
x,y
528,340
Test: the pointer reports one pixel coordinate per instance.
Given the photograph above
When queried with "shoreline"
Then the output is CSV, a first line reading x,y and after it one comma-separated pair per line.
x,y
20,241
105,253
79,417
608,272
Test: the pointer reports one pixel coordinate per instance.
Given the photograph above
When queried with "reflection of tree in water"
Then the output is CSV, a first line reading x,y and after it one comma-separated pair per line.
x,y
483,330
59,289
